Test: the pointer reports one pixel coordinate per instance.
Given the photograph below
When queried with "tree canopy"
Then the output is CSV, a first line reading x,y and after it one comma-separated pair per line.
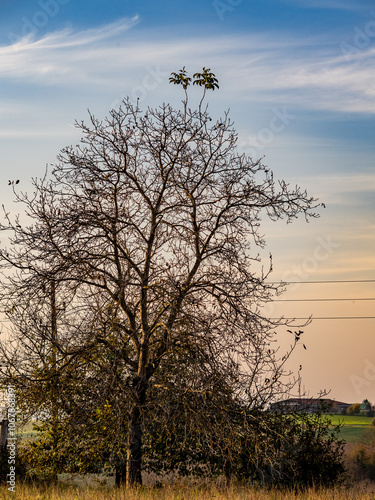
x,y
136,281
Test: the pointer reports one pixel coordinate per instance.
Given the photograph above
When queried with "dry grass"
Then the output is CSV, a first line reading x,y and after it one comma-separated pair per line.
x,y
68,492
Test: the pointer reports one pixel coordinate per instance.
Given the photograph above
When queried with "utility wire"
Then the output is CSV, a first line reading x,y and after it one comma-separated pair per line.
x,y
328,281
320,300
312,318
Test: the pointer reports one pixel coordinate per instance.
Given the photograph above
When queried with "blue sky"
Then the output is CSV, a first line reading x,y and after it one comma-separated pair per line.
x,y
298,77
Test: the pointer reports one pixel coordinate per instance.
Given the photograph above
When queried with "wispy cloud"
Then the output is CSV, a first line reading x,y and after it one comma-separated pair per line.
x,y
67,38
309,73
60,54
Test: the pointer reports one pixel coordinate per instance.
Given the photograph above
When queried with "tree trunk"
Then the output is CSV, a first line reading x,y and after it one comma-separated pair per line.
x,y
228,473
134,455
120,476
4,434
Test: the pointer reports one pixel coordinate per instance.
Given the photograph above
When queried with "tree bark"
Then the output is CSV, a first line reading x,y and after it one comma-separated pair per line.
x,y
228,473
120,474
134,455
4,434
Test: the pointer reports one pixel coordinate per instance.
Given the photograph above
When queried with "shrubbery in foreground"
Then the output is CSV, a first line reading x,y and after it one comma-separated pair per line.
x,y
267,449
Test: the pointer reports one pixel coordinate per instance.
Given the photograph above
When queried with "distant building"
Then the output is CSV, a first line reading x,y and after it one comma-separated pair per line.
x,y
310,405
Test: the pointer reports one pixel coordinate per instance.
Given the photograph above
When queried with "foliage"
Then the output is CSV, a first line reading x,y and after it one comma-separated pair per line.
x,y
365,461
353,409
206,79
364,456
294,451
368,408
269,449
273,450
45,456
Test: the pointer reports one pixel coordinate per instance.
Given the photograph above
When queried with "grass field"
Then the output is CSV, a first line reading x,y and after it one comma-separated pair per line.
x,y
27,431
350,420
346,420
355,429
182,492
353,434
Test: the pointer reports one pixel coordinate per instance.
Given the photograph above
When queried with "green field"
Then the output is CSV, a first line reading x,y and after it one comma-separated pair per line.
x,y
27,431
355,429
350,420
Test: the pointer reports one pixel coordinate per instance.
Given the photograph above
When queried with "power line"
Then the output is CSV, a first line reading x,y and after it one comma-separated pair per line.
x,y
320,282
312,318
321,300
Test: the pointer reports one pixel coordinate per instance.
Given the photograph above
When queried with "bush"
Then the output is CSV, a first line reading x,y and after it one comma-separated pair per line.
x,y
317,454
364,457
47,455
353,409
272,449
306,453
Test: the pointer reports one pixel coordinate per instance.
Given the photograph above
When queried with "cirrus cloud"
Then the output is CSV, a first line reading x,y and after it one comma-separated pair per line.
x,y
271,66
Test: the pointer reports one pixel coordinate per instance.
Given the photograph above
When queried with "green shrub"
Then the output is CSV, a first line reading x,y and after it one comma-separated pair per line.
x,y
49,454
296,451
353,409
273,449
365,461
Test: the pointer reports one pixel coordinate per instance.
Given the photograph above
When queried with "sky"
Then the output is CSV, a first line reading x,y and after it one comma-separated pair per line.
x,y
298,78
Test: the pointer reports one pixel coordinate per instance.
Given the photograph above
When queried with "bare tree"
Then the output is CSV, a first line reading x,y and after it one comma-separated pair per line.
x,y
147,227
